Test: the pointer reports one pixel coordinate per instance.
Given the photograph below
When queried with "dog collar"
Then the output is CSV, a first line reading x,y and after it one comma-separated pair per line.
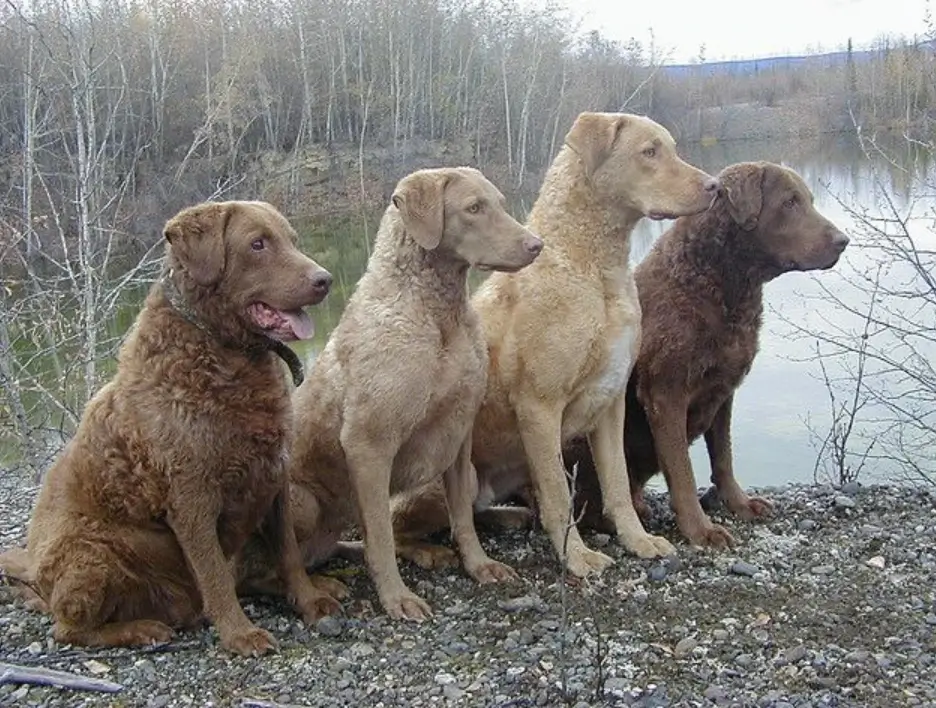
x,y
181,306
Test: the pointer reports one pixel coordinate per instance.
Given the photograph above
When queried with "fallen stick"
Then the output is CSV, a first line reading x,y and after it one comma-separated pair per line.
x,y
36,676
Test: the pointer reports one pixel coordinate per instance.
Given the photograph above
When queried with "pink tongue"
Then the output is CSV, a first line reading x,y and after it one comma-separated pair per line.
x,y
301,324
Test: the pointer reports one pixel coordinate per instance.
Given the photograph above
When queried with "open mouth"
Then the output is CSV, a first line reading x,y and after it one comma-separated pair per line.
x,y
282,325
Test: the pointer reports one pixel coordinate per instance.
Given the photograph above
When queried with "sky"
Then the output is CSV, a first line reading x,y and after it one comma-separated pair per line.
x,y
735,29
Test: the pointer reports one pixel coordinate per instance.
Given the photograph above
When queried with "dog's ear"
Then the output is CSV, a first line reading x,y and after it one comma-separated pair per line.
x,y
592,138
196,236
420,199
743,186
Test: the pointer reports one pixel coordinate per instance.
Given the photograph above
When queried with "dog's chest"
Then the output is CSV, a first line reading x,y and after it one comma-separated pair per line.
x,y
248,488
727,367
251,467
458,379
606,384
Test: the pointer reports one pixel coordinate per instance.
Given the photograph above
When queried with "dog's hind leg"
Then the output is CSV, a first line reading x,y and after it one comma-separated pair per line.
x,y
16,567
280,536
718,442
611,470
418,513
117,587
461,489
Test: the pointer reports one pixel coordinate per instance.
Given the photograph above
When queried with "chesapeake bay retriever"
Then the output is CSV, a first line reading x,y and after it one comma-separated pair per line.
x,y
562,334
182,455
390,402
701,293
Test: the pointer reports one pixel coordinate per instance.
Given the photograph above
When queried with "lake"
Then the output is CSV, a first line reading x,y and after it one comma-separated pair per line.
x,y
771,439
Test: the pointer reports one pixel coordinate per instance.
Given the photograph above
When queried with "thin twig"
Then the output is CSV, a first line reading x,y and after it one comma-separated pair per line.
x,y
38,676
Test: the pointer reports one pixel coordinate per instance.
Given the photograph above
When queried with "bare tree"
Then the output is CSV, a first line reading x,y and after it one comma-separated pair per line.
x,y
876,330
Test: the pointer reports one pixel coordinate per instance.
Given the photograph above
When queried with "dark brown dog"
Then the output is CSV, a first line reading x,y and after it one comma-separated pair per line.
x,y
701,293
182,455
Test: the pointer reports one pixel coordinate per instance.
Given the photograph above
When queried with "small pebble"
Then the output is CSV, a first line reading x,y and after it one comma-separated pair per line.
x,y
361,649
715,693
684,647
743,568
452,692
876,562
857,656
328,626
519,604
795,654
850,489
844,502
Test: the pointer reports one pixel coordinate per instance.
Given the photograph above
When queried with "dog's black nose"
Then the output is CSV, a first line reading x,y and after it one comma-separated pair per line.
x,y
321,281
711,185
839,240
533,244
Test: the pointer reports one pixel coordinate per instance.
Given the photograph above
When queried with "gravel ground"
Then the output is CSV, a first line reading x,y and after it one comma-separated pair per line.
x,y
830,603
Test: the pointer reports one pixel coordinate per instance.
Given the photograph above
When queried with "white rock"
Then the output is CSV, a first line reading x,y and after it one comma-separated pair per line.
x,y
96,667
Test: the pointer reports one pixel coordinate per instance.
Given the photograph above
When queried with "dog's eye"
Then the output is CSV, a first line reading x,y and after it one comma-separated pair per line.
x,y
649,152
258,244
790,203
474,208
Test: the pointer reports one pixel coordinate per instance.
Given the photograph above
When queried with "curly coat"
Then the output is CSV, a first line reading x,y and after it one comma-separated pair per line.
x,y
181,456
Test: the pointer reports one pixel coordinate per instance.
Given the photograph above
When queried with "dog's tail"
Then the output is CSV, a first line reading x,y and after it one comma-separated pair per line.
x,y
16,568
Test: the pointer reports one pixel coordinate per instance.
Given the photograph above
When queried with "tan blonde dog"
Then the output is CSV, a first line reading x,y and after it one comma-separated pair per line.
x,y
392,398
564,333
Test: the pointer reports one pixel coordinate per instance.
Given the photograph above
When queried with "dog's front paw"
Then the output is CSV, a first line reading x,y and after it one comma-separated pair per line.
x,y
315,605
428,556
406,605
647,546
329,586
137,633
749,508
584,562
250,642
143,632
708,535
641,506
492,571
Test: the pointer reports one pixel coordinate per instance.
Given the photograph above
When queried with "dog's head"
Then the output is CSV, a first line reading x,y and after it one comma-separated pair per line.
x,y
458,211
239,261
774,204
631,162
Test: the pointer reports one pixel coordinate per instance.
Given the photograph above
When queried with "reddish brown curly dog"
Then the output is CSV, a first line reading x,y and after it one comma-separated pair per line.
x,y
701,293
182,455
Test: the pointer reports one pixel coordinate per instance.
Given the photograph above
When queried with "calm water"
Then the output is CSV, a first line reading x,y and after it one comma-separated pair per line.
x,y
772,443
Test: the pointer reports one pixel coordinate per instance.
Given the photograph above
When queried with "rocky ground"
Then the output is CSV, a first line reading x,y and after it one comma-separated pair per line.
x,y
830,603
